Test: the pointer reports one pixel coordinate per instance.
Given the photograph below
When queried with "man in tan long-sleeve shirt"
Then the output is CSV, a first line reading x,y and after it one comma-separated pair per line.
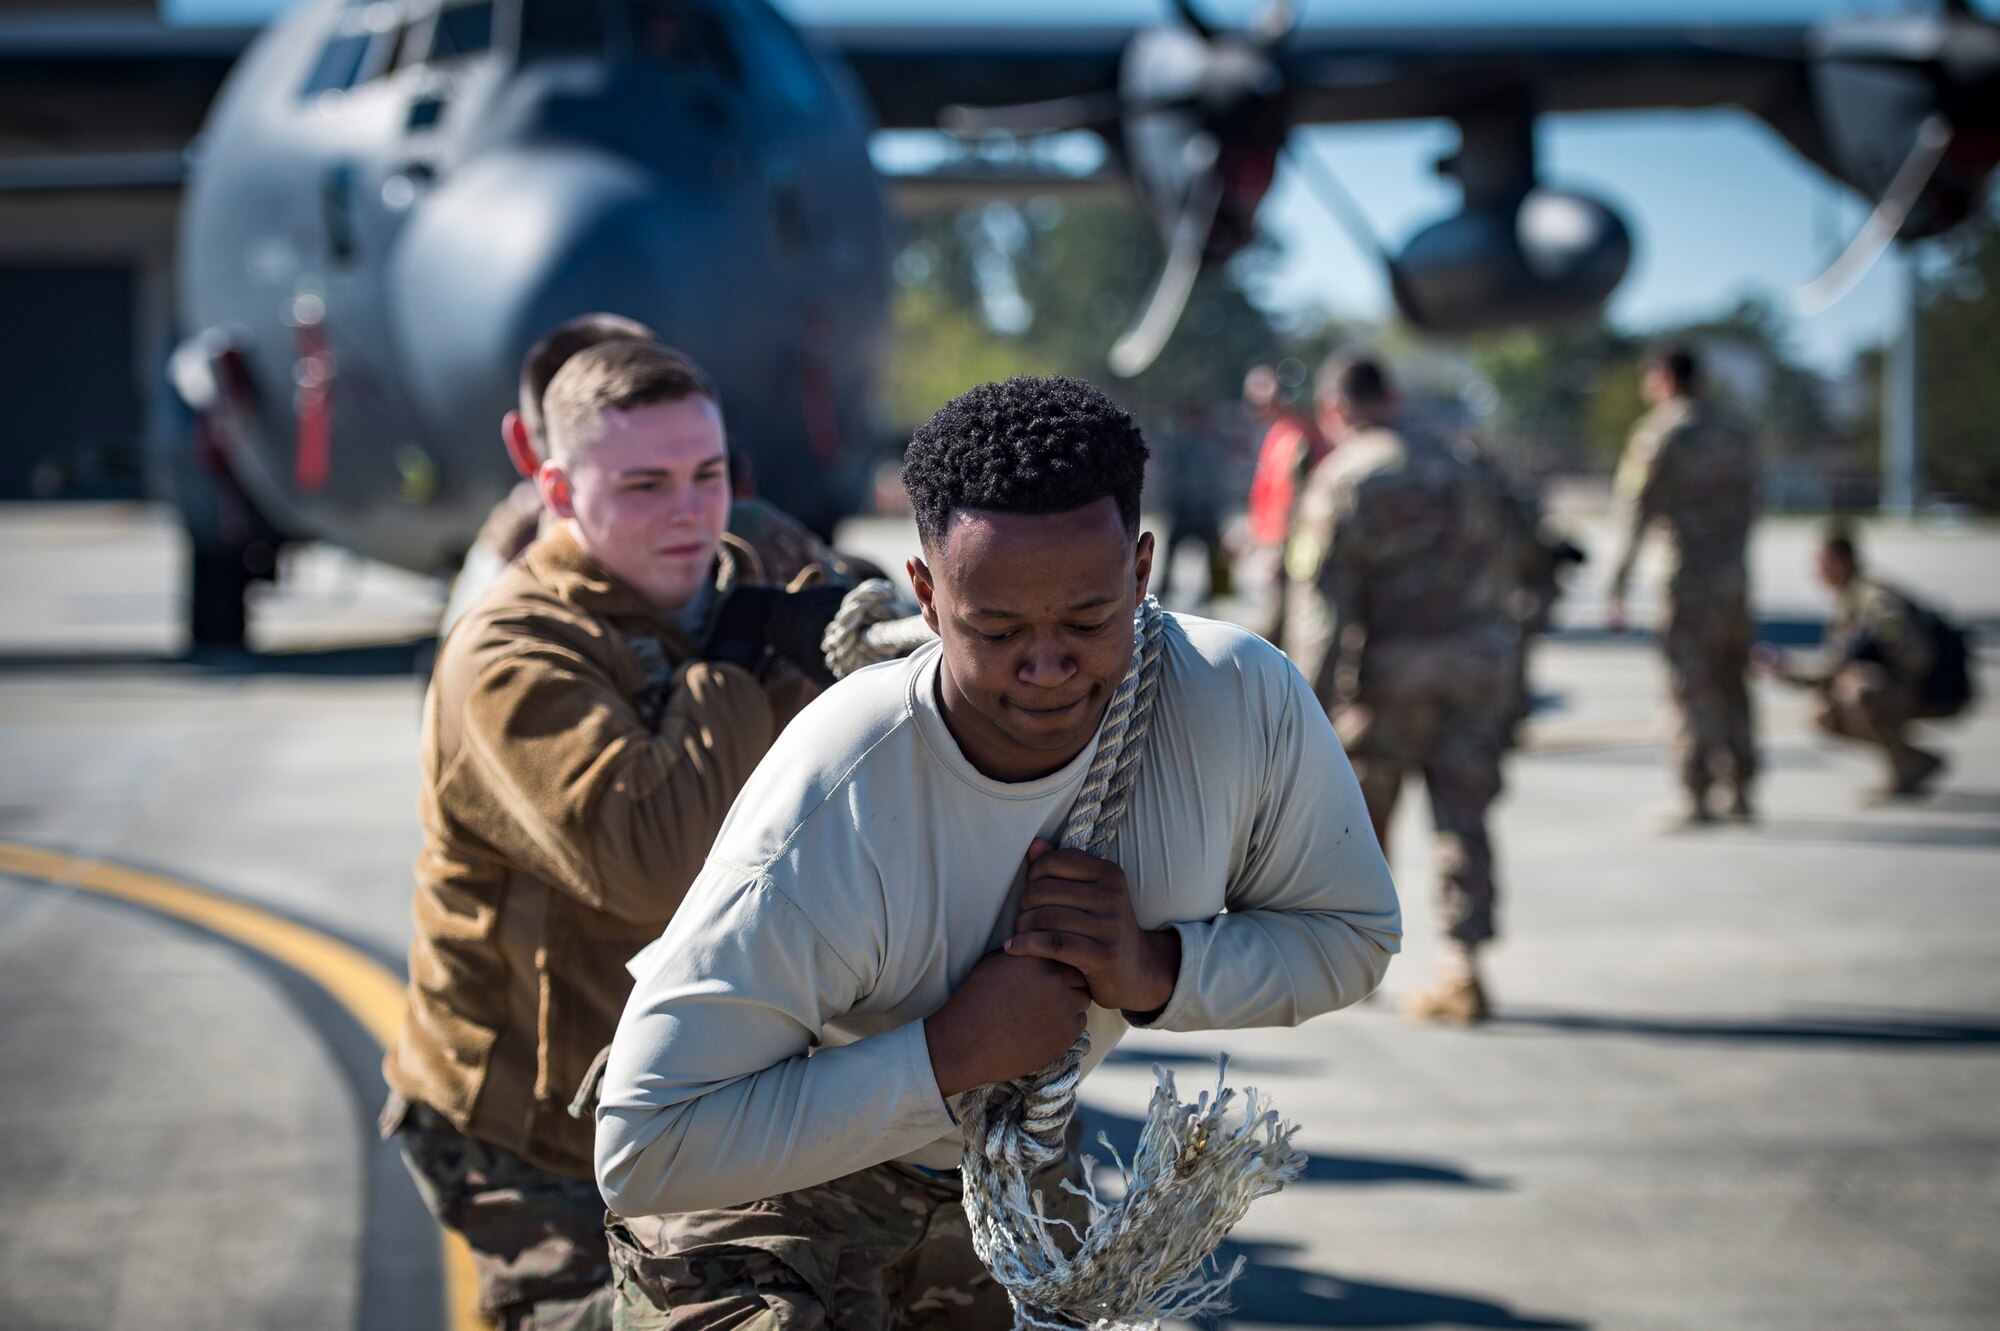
x,y
882,924
588,725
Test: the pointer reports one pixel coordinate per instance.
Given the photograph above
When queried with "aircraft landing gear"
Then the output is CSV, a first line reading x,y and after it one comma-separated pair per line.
x,y
218,578
230,544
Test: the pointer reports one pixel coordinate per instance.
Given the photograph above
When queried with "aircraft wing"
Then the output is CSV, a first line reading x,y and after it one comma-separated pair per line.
x,y
1348,74
98,83
1340,74
73,83
910,73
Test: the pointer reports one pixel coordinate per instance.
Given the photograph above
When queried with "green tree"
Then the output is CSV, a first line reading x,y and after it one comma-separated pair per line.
x,y
1960,354
1046,288
1567,397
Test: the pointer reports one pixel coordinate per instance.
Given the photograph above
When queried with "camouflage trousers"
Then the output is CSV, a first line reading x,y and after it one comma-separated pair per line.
x,y
1708,644
1864,702
1453,735
884,1247
537,1237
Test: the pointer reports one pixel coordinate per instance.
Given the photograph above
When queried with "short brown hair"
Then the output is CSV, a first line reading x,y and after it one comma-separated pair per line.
x,y
617,376
547,356
1678,361
1355,380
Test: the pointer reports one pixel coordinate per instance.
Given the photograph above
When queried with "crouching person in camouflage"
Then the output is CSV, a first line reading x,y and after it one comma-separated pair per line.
x,y
589,722
1889,660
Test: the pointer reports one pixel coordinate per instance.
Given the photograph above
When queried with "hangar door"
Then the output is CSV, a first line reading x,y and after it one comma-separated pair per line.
x,y
73,416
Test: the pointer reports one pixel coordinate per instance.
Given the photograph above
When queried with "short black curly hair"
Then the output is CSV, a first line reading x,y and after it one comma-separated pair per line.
x,y
1029,445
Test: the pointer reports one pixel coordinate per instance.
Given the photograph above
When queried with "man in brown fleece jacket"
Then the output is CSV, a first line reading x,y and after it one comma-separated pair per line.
x,y
589,723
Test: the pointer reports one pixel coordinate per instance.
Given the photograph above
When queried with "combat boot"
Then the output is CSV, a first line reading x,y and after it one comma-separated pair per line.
x,y
1454,996
1909,777
1692,815
1450,1001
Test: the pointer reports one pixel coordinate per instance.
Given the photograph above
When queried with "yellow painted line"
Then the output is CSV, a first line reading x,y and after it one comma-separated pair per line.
x,y
369,991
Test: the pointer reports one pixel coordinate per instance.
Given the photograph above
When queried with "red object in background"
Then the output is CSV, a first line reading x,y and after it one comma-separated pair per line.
x,y
313,454
1274,485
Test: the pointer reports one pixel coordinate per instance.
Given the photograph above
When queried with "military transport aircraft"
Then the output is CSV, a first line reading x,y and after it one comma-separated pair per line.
x,y
392,198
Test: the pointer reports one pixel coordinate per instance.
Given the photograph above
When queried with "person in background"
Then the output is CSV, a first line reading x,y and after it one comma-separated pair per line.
x,y
1197,487
1291,446
1888,661
1398,614
1691,468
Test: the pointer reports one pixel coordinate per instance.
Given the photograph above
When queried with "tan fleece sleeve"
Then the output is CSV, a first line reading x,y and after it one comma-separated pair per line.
x,y
587,797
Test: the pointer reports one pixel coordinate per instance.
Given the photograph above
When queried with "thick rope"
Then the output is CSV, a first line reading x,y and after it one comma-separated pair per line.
x,y
1146,1256
872,625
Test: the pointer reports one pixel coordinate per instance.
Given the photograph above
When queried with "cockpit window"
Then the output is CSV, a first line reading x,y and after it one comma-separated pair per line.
x,y
339,64
360,48
686,37
461,30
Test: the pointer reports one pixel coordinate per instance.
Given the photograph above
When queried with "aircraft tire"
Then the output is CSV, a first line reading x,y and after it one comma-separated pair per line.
x,y
218,578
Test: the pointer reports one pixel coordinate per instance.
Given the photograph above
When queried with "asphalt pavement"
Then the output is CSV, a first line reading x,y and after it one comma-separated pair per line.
x,y
1741,1079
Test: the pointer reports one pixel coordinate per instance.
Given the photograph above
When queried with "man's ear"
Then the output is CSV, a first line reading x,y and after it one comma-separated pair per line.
x,y
552,479
925,588
1142,562
520,448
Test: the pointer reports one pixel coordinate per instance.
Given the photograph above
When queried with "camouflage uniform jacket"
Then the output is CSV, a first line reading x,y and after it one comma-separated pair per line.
x,y
1875,622
576,765
1690,467
1399,548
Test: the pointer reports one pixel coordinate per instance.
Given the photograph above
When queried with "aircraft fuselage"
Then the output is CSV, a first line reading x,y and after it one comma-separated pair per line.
x,y
387,211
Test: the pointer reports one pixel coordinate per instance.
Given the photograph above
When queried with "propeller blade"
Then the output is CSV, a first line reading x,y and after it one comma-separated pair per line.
x,y
1194,19
1142,343
1279,21
1333,197
1879,232
1056,115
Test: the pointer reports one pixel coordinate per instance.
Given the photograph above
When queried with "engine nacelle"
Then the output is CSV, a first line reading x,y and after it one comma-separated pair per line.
x,y
1550,257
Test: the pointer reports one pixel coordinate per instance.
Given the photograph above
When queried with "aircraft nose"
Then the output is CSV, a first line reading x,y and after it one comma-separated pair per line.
x,y
509,245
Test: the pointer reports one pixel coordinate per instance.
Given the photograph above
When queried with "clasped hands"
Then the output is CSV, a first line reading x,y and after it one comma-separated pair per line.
x,y
1076,942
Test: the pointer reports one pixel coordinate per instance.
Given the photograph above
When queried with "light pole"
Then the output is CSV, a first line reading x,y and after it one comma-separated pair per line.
x,y
1902,425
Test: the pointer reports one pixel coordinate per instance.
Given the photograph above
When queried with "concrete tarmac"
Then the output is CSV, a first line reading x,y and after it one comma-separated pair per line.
x,y
1741,1079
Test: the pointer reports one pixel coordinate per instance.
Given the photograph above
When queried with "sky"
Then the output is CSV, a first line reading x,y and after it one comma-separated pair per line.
x,y
1718,205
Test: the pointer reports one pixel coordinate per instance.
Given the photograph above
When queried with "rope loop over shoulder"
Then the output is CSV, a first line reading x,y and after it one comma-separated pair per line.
x,y
872,625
